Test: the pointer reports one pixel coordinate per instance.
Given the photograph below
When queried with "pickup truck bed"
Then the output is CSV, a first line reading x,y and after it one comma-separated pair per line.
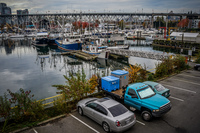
x,y
117,94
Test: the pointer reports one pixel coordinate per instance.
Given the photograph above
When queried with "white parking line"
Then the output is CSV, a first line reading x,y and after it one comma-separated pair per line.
x,y
176,98
179,88
186,81
84,123
35,130
189,76
140,122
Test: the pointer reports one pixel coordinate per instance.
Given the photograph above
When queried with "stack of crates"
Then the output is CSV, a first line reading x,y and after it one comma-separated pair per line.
x,y
109,83
123,76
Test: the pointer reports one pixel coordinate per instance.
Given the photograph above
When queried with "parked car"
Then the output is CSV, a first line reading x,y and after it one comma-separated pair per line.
x,y
158,88
110,114
197,67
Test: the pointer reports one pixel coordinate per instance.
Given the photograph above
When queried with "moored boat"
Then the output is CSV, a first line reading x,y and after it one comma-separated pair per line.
x,y
69,45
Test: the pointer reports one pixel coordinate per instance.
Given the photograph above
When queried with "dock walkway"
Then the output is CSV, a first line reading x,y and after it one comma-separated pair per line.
x,y
142,54
81,54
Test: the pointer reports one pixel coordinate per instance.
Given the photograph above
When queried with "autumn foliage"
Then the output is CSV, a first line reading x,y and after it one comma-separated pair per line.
x,y
183,23
93,83
136,73
79,24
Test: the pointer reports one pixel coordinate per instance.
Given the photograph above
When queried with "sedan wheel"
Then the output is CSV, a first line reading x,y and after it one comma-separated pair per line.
x,y
106,127
146,115
80,111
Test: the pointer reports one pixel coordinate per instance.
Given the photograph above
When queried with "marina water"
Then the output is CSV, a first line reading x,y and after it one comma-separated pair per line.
x,y
38,68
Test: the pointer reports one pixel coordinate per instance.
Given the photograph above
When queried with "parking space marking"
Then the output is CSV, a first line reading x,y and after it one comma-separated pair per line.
x,y
140,122
84,123
176,98
189,75
179,88
35,130
186,81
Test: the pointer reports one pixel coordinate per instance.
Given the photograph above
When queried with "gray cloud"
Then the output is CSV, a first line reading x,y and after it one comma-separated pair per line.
x,y
53,6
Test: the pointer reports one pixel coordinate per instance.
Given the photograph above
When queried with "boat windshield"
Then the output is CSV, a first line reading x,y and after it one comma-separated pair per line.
x,y
159,87
146,93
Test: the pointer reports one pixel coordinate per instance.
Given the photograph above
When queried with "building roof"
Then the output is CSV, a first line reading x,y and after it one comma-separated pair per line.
x,y
179,34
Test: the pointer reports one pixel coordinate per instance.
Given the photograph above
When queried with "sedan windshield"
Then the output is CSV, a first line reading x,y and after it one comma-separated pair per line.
x,y
145,93
159,87
117,110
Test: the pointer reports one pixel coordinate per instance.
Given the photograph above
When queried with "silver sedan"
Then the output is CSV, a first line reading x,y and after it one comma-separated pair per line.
x,y
110,114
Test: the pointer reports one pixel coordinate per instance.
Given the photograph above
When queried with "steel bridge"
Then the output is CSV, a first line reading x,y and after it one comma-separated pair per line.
x,y
89,17
141,54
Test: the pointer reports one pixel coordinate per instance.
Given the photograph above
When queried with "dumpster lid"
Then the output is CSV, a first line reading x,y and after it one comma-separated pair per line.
x,y
110,78
119,72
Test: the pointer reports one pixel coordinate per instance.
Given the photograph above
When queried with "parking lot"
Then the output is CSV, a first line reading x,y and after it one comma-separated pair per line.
x,y
184,117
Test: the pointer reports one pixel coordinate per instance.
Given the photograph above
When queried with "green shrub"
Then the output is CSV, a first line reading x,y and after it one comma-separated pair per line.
x,y
151,77
164,68
25,108
198,58
5,110
179,63
76,86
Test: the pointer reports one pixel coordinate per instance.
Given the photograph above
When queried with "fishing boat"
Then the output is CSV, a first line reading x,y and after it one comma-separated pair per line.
x,y
150,38
41,39
16,36
67,44
100,51
96,48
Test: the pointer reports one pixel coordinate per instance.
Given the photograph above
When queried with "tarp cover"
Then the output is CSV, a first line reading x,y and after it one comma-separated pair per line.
x,y
179,34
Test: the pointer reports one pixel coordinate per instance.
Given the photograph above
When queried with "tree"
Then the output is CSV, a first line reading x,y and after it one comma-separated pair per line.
x,y
133,72
121,24
183,23
76,86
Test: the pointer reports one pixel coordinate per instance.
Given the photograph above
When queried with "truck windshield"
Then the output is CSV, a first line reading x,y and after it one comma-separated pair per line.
x,y
159,87
146,92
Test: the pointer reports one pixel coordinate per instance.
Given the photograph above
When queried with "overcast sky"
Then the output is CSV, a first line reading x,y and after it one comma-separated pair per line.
x,y
149,6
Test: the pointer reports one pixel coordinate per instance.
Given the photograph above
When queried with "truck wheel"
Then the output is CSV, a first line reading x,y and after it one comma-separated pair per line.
x,y
146,115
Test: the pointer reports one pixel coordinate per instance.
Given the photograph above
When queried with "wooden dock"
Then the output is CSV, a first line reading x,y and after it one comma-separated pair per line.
x,y
169,46
81,54
136,38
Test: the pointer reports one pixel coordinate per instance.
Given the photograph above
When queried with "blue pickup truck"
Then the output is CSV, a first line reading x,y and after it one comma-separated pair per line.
x,y
141,97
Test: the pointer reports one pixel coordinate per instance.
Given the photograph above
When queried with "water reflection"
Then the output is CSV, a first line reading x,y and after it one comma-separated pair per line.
x,y
38,68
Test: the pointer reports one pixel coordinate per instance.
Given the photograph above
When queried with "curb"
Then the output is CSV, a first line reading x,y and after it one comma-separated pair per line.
x,y
43,122
171,75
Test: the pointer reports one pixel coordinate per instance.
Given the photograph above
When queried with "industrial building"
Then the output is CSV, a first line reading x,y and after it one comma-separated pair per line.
x,y
4,10
22,12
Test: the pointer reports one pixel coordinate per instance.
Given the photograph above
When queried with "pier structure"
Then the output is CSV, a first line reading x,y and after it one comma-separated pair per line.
x,y
141,54
90,17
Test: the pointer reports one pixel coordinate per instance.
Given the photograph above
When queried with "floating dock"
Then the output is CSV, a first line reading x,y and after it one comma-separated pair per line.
x,y
81,54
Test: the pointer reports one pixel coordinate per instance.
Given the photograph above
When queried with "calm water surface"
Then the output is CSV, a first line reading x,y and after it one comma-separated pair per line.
x,y
37,69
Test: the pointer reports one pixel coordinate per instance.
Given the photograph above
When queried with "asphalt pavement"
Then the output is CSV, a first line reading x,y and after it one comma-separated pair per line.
x,y
184,117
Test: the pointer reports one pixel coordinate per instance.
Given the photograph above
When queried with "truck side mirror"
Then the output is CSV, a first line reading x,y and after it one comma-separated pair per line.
x,y
134,96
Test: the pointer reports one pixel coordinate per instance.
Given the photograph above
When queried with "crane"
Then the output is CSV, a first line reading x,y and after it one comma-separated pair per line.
x,y
169,32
